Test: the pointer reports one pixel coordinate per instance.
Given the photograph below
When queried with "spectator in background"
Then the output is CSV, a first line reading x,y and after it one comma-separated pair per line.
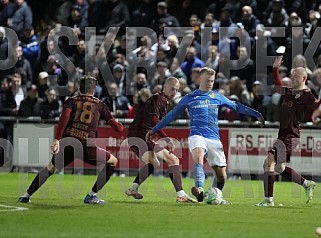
x,y
95,13
238,88
118,104
249,20
30,106
16,88
244,67
195,22
176,70
162,73
7,9
163,18
277,19
138,100
51,106
273,112
139,82
43,84
260,101
4,52
191,61
213,57
143,13
75,20
262,45
30,47
8,107
23,66
195,78
22,18
116,14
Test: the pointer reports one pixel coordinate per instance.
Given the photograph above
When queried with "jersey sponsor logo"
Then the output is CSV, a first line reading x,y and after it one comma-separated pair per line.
x,y
211,95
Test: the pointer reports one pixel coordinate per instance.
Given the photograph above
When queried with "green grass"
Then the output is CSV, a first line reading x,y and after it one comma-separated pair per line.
x,y
57,210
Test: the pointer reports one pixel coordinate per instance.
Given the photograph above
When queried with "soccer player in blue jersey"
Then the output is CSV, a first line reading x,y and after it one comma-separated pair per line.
x,y
204,139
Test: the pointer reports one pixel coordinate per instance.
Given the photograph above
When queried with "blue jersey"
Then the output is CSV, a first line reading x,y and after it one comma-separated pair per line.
x,y
203,108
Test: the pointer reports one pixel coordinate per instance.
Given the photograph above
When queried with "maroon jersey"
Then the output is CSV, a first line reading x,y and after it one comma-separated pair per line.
x,y
154,109
86,111
296,105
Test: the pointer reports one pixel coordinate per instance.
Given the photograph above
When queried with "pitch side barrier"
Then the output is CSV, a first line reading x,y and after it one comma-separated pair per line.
x,y
245,146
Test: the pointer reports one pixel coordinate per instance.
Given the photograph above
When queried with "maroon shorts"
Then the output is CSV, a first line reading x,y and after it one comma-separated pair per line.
x,y
71,149
282,149
140,146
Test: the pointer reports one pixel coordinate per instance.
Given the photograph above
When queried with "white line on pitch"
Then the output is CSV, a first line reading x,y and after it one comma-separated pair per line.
x,y
13,209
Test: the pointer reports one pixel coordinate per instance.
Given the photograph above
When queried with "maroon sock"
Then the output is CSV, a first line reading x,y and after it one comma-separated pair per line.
x,y
268,178
39,180
102,178
292,175
176,177
144,173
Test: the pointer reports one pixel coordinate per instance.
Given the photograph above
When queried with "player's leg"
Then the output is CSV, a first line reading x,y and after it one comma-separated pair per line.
x,y
268,179
103,176
151,162
144,151
199,175
220,174
37,182
217,160
292,175
174,174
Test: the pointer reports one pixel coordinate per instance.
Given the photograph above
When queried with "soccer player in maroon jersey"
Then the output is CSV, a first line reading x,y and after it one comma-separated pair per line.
x,y
295,103
152,111
76,138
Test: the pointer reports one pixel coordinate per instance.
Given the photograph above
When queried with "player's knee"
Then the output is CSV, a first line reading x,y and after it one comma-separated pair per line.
x,y
279,168
112,161
172,160
51,168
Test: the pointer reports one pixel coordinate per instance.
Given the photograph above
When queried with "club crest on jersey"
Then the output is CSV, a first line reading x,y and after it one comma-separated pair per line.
x,y
212,95
206,101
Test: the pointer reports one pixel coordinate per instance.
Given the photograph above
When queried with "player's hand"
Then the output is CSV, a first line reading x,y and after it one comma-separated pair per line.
x,y
170,147
261,121
278,61
55,147
149,135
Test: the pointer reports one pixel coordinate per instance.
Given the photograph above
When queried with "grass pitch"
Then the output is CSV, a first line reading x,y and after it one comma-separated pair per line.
x,y
57,210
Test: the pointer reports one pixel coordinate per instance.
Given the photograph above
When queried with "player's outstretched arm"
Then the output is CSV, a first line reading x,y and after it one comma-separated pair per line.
x,y
117,126
278,61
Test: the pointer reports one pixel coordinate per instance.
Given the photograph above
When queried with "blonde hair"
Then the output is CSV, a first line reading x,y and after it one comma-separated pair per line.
x,y
207,70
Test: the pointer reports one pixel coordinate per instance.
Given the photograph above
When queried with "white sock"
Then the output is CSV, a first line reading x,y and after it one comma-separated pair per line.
x,y
305,183
91,193
26,195
181,193
135,186
269,199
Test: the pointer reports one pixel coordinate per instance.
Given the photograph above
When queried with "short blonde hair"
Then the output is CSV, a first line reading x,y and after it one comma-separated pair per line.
x,y
207,70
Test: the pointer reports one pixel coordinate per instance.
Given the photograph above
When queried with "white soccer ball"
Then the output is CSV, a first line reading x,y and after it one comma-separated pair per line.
x,y
213,196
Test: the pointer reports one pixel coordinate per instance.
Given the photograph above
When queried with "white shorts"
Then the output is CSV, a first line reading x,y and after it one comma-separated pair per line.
x,y
214,152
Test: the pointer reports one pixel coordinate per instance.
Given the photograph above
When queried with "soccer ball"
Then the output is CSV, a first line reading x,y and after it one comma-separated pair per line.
x,y
213,196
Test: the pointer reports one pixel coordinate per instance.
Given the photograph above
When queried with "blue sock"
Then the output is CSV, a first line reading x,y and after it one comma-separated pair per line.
x,y
199,175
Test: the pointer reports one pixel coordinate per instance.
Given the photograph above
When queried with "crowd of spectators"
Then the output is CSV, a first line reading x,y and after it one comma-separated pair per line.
x,y
179,37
